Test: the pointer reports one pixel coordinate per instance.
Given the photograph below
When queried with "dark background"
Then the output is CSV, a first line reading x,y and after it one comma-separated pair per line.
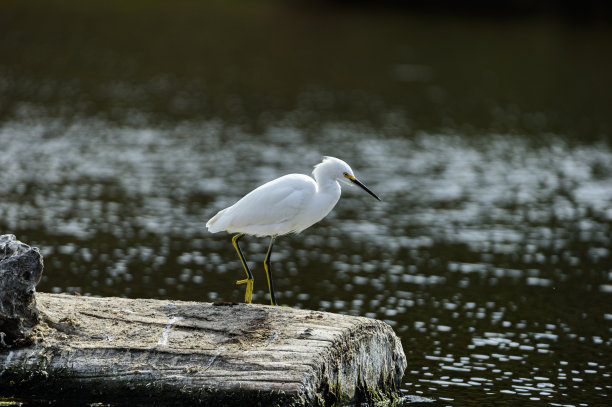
x,y
485,127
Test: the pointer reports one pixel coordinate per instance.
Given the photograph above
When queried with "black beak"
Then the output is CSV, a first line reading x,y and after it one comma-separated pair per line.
x,y
358,183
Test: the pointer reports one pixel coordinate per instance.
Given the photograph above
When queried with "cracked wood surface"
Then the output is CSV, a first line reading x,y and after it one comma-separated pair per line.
x,y
181,352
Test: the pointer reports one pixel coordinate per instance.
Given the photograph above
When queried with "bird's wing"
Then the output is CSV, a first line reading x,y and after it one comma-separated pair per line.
x,y
272,204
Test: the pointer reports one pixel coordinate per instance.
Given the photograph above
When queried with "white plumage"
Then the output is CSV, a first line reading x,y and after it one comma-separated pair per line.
x,y
288,204
276,208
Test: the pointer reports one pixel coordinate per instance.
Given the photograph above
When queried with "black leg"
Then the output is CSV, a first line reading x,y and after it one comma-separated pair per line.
x,y
249,280
269,272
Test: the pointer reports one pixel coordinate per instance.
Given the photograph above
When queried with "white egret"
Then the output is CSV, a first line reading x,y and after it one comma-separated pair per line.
x,y
288,204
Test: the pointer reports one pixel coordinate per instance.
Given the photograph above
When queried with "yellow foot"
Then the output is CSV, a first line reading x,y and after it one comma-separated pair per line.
x,y
249,289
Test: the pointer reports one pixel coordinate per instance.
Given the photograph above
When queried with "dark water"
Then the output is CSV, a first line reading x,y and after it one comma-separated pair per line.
x,y
124,128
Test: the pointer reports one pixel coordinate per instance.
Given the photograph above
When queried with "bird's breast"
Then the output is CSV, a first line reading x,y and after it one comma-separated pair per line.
x,y
318,206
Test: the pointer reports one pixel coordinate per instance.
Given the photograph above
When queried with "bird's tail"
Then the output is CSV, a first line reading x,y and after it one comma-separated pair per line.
x,y
210,225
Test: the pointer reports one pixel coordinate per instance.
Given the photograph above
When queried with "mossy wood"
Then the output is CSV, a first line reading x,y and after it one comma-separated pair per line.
x,y
177,352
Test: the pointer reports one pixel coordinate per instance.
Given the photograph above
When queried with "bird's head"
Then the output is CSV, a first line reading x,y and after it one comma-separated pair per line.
x,y
337,169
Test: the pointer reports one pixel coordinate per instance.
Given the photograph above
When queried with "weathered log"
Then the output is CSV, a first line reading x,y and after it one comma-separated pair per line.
x,y
174,352
21,268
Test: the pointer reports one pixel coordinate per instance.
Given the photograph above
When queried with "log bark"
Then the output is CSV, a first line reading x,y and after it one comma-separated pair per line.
x,y
21,268
174,352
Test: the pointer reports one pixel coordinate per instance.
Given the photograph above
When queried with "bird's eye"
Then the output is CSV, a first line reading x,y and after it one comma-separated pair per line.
x,y
346,174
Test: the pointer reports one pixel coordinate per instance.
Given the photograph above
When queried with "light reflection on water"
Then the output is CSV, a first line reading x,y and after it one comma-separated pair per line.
x,y
490,256
490,252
